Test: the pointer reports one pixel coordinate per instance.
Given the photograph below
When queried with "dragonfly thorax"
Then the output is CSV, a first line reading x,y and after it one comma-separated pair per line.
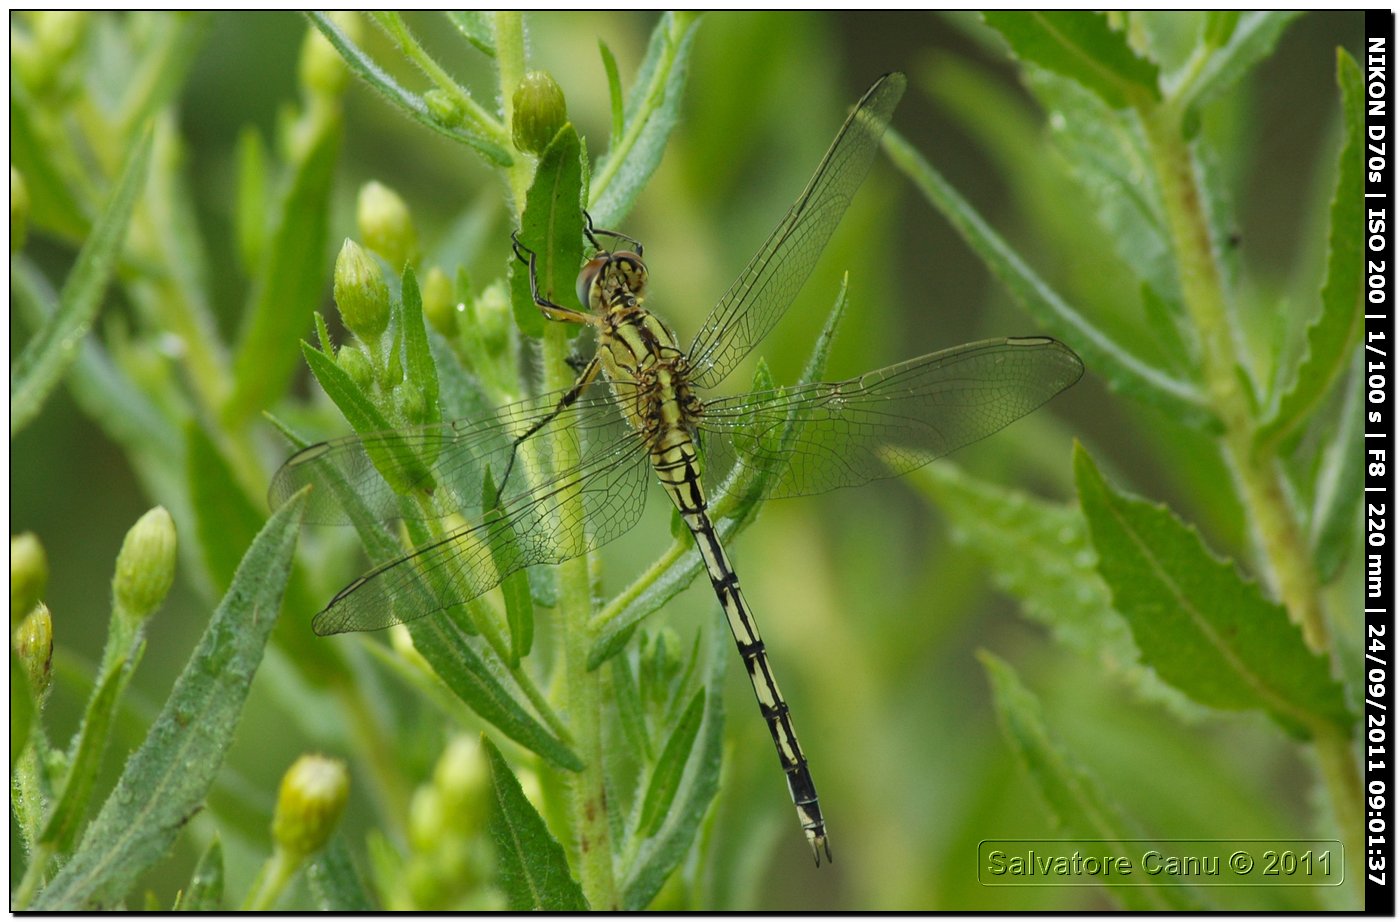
x,y
612,279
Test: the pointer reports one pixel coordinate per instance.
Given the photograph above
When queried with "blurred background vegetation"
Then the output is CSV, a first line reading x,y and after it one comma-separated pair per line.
x,y
872,610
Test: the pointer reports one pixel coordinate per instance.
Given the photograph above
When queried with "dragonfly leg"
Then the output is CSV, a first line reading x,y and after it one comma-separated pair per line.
x,y
592,233
585,378
549,308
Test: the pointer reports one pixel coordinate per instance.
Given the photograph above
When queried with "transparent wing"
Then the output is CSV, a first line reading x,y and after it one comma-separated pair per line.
x,y
545,515
886,422
431,472
763,291
579,511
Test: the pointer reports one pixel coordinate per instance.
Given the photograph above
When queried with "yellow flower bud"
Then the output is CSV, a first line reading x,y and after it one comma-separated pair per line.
x,y
386,225
320,68
145,565
439,305
309,803
361,294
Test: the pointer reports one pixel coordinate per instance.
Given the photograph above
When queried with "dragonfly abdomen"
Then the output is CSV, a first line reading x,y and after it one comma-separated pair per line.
x,y
677,469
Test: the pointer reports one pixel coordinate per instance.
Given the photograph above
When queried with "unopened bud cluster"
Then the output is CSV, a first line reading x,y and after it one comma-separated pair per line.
x,y
450,854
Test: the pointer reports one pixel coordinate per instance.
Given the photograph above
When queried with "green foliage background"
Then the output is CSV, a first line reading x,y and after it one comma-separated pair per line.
x,y
875,603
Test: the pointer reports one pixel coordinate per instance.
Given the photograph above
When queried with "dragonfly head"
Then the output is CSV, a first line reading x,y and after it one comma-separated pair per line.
x,y
610,278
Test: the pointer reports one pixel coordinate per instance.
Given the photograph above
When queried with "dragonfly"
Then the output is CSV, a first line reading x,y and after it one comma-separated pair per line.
x,y
649,419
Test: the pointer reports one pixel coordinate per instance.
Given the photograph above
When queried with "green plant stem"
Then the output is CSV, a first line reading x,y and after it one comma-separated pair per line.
x,y
510,64
582,688
641,584
1256,470
398,30
272,880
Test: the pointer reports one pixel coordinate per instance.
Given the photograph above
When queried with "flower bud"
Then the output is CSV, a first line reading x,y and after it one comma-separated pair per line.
x,y
443,108
539,112
464,779
29,574
309,803
33,641
360,294
320,68
145,565
354,363
385,225
439,305
428,822
493,319
19,210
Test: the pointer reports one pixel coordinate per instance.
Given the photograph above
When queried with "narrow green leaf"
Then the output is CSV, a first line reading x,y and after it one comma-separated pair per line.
x,y
411,103
530,864
1169,326
397,462
52,204
63,823
1105,151
169,776
335,883
1252,40
205,892
1339,485
1201,626
250,205
225,519
666,774
614,92
1039,553
1080,45
515,588
1075,797
477,27
552,227
630,714
1219,25
652,112
1122,370
291,281
420,369
452,655
40,366
1333,334
660,854
442,643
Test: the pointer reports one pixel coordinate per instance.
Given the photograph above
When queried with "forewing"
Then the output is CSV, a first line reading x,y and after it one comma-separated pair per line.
x,y
559,518
431,472
818,437
763,291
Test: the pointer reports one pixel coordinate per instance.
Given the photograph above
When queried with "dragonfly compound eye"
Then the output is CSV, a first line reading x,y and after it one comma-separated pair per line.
x,y
587,276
